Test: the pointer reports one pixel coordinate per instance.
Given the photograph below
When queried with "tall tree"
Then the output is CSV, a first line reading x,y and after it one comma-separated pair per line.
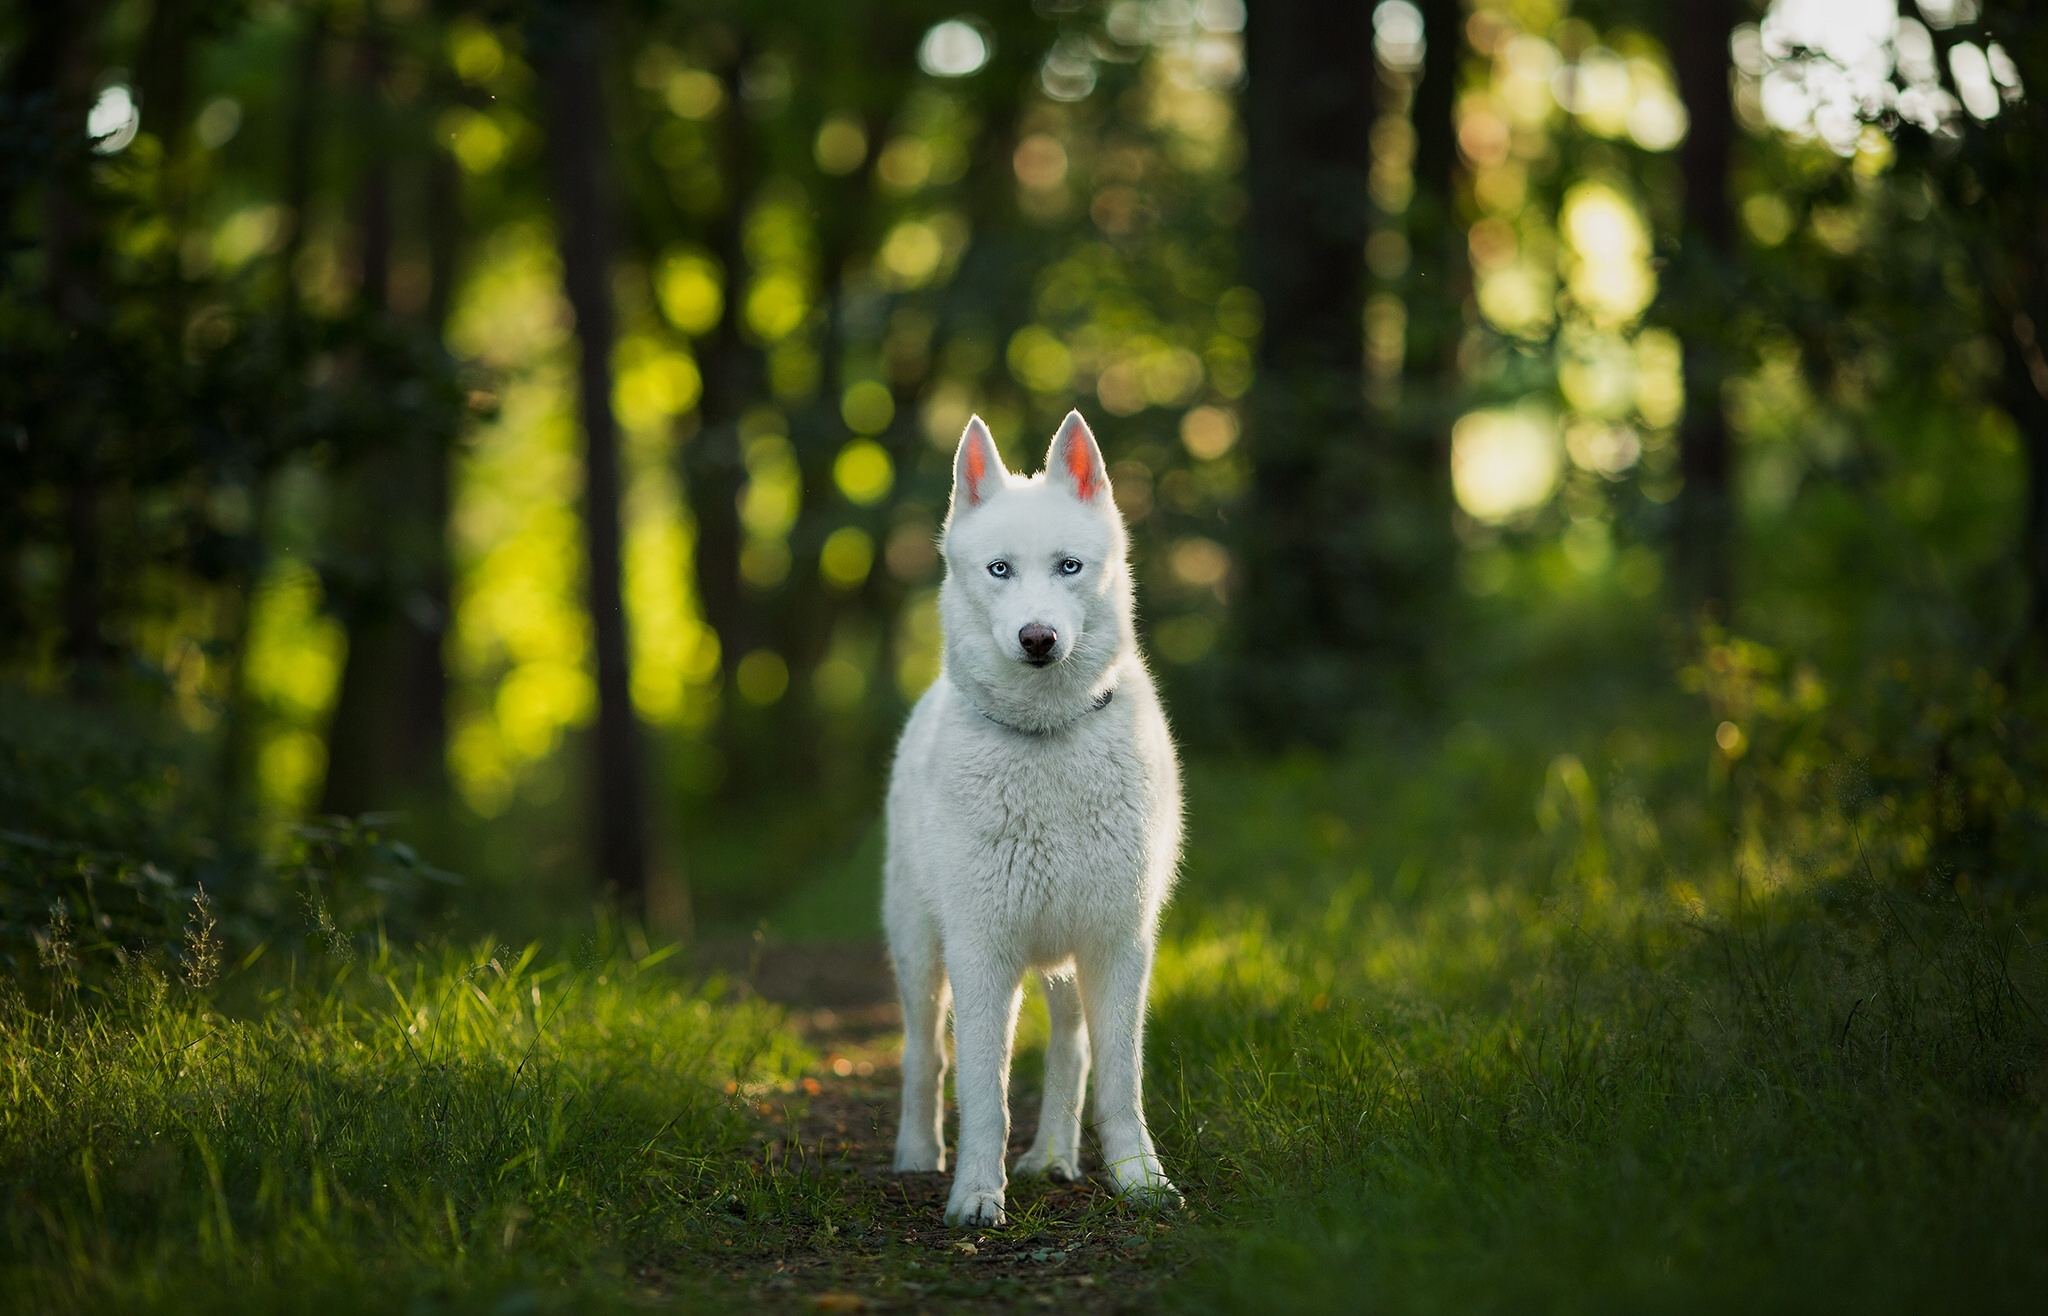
x,y
388,577
162,87
1707,282
567,41
1412,503
1322,602
51,81
359,776
1440,279
163,72
715,466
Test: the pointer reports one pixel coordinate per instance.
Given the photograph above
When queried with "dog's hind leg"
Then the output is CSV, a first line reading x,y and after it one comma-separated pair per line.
x,y
986,989
1113,983
921,985
1056,1150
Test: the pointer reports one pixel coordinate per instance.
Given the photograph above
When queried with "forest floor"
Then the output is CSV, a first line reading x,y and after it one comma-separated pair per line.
x,y
1067,1246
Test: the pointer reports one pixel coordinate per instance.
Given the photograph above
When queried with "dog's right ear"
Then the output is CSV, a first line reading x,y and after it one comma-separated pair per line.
x,y
978,470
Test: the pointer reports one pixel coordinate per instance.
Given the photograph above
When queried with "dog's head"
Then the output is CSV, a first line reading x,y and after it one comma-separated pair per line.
x,y
1037,599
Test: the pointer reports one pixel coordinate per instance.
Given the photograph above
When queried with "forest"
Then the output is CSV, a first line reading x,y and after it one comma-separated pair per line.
x,y
470,478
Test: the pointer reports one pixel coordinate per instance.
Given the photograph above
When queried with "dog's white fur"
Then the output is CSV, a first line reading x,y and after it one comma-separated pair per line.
x,y
1031,826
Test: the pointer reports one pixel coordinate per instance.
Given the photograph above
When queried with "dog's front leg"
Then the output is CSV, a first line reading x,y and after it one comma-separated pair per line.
x,y
986,989
1113,984
921,985
1056,1150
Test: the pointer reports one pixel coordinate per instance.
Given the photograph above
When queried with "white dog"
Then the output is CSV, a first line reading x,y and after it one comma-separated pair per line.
x,y
1034,822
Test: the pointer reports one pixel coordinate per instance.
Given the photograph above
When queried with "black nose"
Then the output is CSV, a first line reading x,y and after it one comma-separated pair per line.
x,y
1038,641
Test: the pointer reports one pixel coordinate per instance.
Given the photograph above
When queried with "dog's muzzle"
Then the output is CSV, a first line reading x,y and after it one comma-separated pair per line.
x,y
1038,641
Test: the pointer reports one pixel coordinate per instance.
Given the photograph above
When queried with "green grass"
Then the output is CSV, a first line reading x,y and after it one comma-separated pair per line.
x,y
1550,1005
1579,1014
457,1127
1600,1099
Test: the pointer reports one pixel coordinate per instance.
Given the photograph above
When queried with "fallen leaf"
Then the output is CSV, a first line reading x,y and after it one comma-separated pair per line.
x,y
838,1300
966,1249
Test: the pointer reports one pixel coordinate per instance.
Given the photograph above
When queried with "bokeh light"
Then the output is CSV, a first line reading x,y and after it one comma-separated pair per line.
x,y
1504,462
841,145
953,49
1397,35
113,120
762,676
691,290
1610,275
864,472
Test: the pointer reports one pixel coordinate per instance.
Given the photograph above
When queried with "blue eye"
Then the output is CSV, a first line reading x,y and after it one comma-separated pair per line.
x,y
1070,567
999,569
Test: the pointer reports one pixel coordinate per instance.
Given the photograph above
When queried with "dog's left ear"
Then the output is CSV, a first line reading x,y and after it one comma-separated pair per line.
x,y
1075,462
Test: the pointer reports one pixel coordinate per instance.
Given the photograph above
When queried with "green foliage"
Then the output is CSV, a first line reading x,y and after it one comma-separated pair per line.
x,y
95,832
104,871
353,879
104,781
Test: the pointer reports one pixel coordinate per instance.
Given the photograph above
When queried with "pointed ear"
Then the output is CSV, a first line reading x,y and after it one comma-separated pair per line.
x,y
1074,461
978,470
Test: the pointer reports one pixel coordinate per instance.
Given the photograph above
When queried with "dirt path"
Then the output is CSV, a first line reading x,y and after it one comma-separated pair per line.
x,y
884,1246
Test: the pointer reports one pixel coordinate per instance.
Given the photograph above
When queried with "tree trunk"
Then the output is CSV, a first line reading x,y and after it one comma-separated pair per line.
x,y
72,244
790,754
714,465
33,78
567,42
369,506
387,742
423,744
162,75
1315,605
1440,279
1412,511
1707,283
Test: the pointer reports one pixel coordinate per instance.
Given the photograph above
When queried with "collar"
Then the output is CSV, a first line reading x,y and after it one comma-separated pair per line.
x,y
1101,702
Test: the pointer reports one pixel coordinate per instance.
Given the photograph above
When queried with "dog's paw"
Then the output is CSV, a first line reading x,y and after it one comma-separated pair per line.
x,y
1061,1168
920,1160
975,1209
1152,1195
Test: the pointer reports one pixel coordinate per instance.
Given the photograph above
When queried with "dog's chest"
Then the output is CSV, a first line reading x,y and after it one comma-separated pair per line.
x,y
1050,817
